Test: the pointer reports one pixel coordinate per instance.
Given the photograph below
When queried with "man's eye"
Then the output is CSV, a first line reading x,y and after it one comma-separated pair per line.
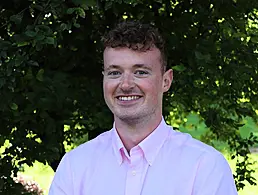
x,y
113,73
141,72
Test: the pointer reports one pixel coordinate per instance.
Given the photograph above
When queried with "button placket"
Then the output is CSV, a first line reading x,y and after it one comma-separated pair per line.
x,y
134,173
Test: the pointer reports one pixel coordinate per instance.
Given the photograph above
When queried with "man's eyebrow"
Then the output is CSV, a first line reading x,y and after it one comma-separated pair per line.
x,y
112,67
134,66
142,66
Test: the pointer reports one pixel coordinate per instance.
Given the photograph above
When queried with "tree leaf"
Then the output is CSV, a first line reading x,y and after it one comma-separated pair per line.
x,y
30,33
4,45
63,27
33,63
77,25
38,7
80,12
14,106
3,54
29,74
39,75
2,82
108,5
39,37
254,39
39,47
44,29
85,3
70,10
21,44
50,40
179,68
198,55
16,19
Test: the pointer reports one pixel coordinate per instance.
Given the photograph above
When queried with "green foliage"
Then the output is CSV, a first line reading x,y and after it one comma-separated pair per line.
x,y
51,62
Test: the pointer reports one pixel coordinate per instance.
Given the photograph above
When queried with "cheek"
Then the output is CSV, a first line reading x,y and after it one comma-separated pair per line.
x,y
152,88
109,87
156,91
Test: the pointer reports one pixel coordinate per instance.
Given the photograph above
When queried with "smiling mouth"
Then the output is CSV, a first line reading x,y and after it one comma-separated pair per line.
x,y
128,98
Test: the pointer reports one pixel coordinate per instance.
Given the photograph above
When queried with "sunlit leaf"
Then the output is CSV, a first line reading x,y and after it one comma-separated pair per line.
x,y
179,68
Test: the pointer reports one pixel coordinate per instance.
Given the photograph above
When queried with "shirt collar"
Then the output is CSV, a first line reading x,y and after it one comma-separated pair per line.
x,y
118,146
153,143
150,145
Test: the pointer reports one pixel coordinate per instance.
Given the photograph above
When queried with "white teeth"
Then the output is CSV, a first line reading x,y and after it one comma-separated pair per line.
x,y
128,98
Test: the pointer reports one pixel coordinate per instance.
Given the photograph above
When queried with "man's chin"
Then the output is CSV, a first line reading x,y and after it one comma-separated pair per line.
x,y
128,117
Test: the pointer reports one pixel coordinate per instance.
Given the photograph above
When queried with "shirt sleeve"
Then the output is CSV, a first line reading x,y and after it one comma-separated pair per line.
x,y
62,183
214,177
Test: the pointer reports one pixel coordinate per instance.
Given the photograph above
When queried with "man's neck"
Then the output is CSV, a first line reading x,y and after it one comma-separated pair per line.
x,y
132,134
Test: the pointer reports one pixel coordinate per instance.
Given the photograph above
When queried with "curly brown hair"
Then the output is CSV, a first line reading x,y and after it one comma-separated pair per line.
x,y
136,36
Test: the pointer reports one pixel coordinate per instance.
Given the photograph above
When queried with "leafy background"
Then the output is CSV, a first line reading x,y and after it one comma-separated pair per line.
x,y
51,82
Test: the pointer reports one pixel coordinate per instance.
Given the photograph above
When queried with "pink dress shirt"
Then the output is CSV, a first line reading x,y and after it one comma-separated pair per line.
x,y
167,162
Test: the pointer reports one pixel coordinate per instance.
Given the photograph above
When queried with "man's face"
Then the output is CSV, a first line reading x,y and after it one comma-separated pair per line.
x,y
134,83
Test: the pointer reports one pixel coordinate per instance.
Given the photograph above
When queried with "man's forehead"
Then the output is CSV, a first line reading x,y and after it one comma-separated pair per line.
x,y
129,54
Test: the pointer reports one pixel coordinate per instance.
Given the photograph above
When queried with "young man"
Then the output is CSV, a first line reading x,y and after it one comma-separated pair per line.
x,y
140,155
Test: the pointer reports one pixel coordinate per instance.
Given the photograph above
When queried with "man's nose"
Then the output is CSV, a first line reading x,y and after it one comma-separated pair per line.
x,y
127,82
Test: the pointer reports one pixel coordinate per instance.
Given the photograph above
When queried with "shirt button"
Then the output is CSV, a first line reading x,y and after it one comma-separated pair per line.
x,y
133,173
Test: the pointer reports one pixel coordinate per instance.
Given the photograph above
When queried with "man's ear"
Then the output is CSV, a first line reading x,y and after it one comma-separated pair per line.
x,y
167,80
